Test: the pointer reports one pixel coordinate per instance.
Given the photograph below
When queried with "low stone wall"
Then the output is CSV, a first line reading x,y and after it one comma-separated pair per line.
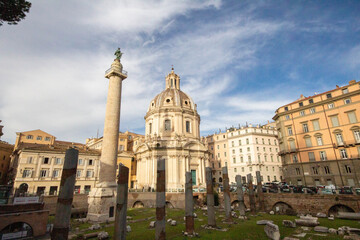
x,y
79,202
148,199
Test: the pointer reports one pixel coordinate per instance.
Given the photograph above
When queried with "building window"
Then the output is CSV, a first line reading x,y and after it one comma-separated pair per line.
x,y
265,157
274,142
39,138
58,161
218,146
315,170
218,155
256,140
339,139
295,159
259,159
263,141
269,142
322,155
287,117
232,144
219,165
305,128
345,90
233,151
47,138
43,173
270,149
347,101
29,137
56,173
150,128
250,169
225,164
91,162
290,133
240,149
224,154
188,126
326,169
316,125
292,145
239,142
319,141
334,121
272,158
167,125
234,160
80,162
286,108
29,159
243,169
352,117
308,141
312,110
242,159
311,156
78,173
248,149
302,113
46,160
249,159
26,173
357,135
347,169
301,104
328,95
121,147
89,173
343,154
247,141
311,101
297,170
331,105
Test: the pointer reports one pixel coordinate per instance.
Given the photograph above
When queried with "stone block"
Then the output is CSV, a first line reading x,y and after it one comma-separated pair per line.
x,y
128,228
271,213
152,224
289,223
331,218
349,215
103,235
321,215
173,223
332,231
272,231
95,226
290,238
306,222
169,220
321,229
300,235
263,222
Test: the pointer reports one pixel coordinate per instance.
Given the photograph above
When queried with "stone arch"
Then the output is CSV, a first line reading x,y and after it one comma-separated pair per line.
x,y
20,226
339,208
169,204
282,208
138,204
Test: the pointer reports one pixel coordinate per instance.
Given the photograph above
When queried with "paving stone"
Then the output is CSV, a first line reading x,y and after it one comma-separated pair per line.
x,y
103,235
271,212
321,215
332,231
173,223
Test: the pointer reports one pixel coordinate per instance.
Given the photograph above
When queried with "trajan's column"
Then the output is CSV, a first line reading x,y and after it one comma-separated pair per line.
x,y
102,198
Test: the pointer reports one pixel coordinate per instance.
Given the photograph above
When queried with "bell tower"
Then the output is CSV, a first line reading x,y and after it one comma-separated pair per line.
x,y
172,80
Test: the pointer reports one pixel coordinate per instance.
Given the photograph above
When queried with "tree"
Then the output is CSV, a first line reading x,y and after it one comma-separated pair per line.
x,y
13,11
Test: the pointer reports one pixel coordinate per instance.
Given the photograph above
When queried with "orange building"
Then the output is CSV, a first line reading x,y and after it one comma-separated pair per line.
x,y
319,138
5,153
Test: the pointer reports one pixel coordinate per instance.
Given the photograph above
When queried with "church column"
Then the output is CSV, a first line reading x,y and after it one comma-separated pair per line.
x,y
153,173
177,171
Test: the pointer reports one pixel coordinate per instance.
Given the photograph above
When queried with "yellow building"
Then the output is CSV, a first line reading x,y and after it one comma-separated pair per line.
x,y
5,153
125,151
37,163
320,137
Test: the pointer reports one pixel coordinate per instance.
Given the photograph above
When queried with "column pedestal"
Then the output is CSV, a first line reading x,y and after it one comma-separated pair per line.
x,y
101,199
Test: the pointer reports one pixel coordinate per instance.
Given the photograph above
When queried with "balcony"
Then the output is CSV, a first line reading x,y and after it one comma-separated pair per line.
x,y
110,69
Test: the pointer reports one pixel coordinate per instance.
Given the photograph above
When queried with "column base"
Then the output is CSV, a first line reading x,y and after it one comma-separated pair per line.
x,y
102,204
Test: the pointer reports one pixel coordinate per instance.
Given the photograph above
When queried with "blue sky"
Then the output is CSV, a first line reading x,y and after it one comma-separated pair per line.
x,y
238,60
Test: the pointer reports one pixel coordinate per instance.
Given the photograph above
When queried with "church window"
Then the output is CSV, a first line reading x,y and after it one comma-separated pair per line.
x,y
150,128
171,83
175,82
186,102
168,100
167,124
188,126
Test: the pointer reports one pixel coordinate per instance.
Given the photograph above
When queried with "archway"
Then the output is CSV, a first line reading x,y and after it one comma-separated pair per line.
x,y
283,208
339,208
16,230
138,204
23,188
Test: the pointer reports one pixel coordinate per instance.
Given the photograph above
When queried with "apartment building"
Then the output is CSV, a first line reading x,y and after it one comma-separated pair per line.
x,y
245,150
5,152
254,149
319,137
38,160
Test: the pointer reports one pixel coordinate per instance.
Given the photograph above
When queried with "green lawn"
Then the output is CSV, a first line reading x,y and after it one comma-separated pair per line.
x,y
241,230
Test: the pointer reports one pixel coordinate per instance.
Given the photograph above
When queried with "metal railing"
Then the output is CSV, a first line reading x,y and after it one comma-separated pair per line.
x,y
122,71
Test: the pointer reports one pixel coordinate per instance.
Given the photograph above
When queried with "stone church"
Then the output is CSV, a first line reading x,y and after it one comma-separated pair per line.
x,y
172,133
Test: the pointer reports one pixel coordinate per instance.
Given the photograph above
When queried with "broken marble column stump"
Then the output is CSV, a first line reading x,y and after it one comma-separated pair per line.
x,y
240,195
260,192
160,201
227,203
121,203
251,194
189,204
210,198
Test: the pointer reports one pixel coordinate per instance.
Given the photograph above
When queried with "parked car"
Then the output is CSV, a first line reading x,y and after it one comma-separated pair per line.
x,y
327,191
346,190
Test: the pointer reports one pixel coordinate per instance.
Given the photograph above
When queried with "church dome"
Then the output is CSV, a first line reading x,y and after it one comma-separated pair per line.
x,y
172,96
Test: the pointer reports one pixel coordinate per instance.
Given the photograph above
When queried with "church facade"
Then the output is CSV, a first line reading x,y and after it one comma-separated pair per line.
x,y
171,133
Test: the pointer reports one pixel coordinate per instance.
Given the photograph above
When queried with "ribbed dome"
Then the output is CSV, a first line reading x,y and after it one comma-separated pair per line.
x,y
172,97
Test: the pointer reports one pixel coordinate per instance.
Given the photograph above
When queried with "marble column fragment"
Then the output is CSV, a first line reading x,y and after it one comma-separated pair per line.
x,y
121,203
66,194
189,204
260,193
210,198
251,194
160,201
240,195
227,203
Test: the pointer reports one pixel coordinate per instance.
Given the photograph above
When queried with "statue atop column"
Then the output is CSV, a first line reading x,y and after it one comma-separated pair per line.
x,y
118,54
